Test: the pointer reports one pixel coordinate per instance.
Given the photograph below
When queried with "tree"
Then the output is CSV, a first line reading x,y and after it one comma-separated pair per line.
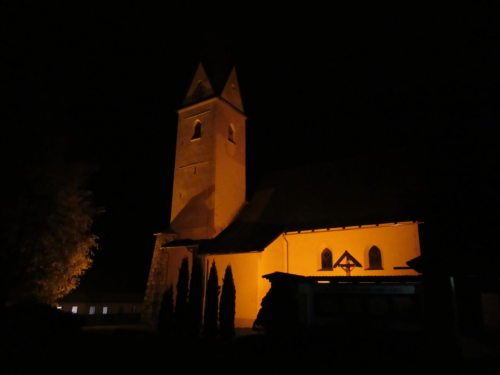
x,y
46,243
211,303
227,305
180,313
279,312
195,303
166,314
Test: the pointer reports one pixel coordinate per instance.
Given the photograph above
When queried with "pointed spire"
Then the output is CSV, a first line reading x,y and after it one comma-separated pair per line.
x,y
200,87
231,91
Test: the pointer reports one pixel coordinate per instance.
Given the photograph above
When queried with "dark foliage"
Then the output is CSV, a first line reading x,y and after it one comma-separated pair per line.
x,y
195,302
41,318
279,312
211,303
181,300
46,219
166,314
33,328
227,305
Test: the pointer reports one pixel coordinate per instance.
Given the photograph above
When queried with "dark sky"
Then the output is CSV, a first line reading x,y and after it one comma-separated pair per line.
x,y
109,79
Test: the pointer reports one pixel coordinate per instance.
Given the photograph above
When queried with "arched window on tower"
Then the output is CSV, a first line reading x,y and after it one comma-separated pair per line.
x,y
196,130
230,133
326,260
374,258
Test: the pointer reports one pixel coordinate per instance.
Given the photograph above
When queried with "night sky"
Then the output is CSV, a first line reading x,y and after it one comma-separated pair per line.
x,y
108,80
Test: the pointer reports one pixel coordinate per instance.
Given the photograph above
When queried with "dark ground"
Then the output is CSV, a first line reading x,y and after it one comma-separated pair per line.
x,y
61,345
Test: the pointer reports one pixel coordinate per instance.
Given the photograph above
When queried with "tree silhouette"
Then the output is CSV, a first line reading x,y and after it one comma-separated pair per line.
x,y
180,313
227,305
46,217
166,314
279,312
195,302
211,303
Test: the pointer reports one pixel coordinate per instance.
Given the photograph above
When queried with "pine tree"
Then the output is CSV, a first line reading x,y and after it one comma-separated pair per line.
x,y
195,303
227,305
211,303
180,313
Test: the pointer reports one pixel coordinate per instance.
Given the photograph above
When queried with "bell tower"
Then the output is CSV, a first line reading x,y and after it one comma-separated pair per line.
x,y
209,175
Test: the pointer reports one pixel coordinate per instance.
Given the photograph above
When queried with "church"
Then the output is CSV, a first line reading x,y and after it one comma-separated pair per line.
x,y
327,222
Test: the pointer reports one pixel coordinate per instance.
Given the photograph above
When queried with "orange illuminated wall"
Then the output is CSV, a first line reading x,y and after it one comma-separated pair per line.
x,y
398,243
300,253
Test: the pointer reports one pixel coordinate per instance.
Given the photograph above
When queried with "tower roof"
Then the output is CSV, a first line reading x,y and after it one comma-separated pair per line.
x,y
231,91
200,88
222,82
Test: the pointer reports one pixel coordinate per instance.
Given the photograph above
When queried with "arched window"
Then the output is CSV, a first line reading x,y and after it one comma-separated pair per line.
x,y
230,133
326,260
196,130
374,258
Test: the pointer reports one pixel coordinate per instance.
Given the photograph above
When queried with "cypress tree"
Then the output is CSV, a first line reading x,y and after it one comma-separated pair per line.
x,y
195,303
180,313
227,305
166,315
211,303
